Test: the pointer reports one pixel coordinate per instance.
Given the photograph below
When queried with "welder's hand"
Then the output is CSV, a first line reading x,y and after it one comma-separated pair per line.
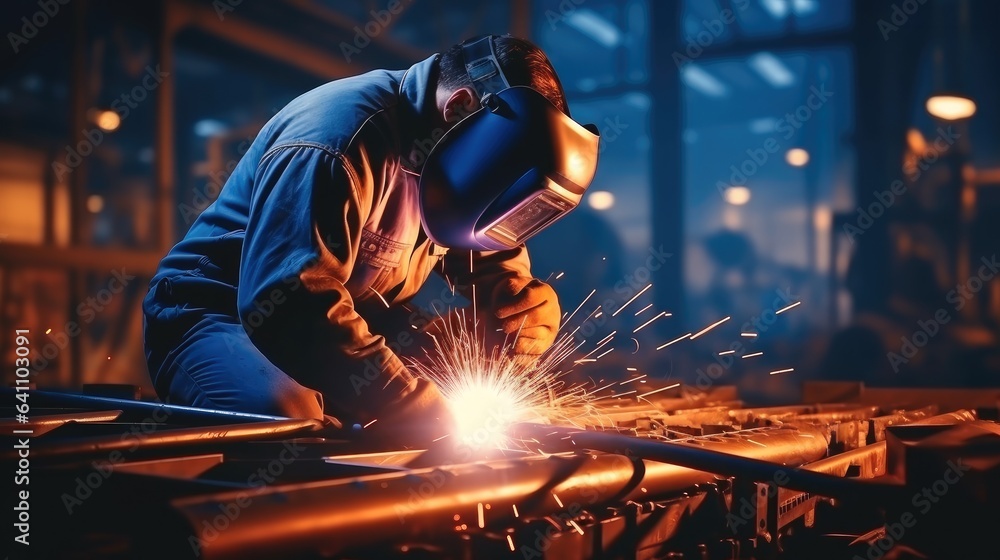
x,y
450,325
528,313
332,422
416,418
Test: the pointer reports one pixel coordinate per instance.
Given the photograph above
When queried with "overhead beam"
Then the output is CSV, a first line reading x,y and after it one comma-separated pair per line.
x,y
382,40
259,39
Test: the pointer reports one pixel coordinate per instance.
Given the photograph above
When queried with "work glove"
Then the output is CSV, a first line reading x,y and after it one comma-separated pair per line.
x,y
526,310
524,317
419,416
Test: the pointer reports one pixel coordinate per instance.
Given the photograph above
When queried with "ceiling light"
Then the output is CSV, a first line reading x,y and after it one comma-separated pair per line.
x,y
107,121
698,79
737,196
951,107
601,200
797,157
771,69
593,25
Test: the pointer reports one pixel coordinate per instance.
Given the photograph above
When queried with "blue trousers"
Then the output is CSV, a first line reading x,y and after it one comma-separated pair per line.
x,y
200,355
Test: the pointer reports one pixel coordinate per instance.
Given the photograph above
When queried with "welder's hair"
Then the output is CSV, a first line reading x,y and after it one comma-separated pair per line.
x,y
523,63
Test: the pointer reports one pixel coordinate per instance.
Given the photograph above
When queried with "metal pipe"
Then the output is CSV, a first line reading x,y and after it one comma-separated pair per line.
x,y
334,516
723,462
41,424
727,462
161,438
141,411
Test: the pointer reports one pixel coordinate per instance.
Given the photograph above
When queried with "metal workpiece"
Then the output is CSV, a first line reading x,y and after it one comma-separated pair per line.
x,y
952,477
139,411
338,515
41,425
159,437
866,462
776,483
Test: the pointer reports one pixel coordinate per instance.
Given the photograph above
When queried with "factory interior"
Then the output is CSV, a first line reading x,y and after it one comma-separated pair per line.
x,y
780,318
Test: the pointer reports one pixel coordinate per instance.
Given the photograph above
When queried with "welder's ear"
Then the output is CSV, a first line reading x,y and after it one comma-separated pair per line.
x,y
461,103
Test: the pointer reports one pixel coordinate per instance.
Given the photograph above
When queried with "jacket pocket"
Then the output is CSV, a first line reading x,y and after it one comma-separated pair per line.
x,y
380,251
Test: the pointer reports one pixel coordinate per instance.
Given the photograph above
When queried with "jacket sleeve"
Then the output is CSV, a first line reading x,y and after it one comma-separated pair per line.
x,y
490,276
305,221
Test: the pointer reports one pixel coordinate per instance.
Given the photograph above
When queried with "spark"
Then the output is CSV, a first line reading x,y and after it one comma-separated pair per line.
x,y
749,334
575,526
450,285
745,356
592,292
642,291
510,542
631,369
678,339
558,501
640,327
643,309
786,308
440,438
487,390
727,352
604,342
710,327
370,423
756,442
610,350
482,516
386,303
781,371
607,339
515,510
634,379
560,275
599,389
47,331
596,310
660,389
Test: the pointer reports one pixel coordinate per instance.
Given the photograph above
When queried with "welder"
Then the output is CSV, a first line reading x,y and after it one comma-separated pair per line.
x,y
279,298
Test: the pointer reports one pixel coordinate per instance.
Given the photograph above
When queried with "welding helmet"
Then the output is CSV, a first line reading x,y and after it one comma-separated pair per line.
x,y
506,171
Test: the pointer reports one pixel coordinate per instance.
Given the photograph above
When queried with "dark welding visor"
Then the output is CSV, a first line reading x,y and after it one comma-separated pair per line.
x,y
506,171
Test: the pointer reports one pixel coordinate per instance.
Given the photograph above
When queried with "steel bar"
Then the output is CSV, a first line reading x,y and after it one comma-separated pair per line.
x,y
725,462
41,424
141,410
869,460
333,516
166,438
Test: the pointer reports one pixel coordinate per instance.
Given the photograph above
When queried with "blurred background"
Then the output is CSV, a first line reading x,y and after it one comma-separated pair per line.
x,y
756,154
